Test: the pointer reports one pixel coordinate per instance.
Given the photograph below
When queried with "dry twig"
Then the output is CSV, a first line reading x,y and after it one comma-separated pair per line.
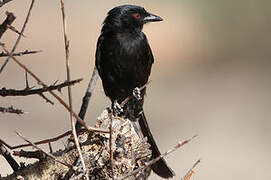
x,y
26,52
87,96
190,172
66,42
12,28
20,35
11,109
60,100
14,165
110,146
49,155
8,21
45,141
25,92
46,99
148,164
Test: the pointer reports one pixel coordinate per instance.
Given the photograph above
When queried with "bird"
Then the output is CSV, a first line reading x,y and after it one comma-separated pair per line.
x,y
124,60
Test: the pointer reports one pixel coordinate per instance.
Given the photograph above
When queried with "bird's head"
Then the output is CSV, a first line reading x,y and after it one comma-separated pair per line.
x,y
128,18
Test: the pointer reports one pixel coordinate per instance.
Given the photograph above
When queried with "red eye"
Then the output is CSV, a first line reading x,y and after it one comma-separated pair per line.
x,y
137,15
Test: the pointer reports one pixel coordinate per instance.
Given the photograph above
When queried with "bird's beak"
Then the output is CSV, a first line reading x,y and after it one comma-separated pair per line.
x,y
152,18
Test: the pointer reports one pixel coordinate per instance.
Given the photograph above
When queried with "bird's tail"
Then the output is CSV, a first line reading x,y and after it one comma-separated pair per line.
x,y
160,167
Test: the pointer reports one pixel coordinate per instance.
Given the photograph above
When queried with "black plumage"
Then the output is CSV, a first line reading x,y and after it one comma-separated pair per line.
x,y
124,60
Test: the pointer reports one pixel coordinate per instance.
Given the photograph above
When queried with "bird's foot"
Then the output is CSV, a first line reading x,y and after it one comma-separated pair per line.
x,y
117,109
137,93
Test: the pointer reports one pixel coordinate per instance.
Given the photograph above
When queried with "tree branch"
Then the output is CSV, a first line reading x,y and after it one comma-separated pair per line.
x,y
25,92
73,121
11,109
88,94
190,172
60,100
26,52
45,141
148,164
49,155
130,151
14,165
30,154
19,37
8,21
46,99
12,28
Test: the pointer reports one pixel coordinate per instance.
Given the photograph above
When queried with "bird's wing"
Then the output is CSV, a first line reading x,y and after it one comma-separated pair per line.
x,y
150,55
98,53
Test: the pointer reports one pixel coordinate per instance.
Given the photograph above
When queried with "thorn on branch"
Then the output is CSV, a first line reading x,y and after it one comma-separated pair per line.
x,y
46,99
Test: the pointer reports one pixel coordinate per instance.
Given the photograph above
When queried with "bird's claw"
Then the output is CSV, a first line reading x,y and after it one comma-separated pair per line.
x,y
117,108
137,93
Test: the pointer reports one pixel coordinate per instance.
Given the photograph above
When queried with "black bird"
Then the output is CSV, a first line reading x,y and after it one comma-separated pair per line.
x,y
124,60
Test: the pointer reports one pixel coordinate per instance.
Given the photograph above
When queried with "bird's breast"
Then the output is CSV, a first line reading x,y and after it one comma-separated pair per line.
x,y
125,62
132,45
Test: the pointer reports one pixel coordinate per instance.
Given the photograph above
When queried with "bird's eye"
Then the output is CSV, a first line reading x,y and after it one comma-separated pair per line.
x,y
137,15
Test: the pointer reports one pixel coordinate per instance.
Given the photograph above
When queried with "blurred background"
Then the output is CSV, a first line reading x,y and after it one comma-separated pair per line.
x,y
211,77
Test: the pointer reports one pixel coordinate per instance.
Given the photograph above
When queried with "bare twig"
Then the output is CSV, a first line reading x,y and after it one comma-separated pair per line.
x,y
11,109
12,28
59,99
50,147
3,2
40,142
49,155
87,96
25,92
46,99
148,164
40,94
20,35
14,165
26,81
8,21
110,147
190,172
26,52
66,42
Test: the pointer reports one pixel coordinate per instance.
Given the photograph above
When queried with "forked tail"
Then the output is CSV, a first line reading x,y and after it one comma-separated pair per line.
x,y
160,167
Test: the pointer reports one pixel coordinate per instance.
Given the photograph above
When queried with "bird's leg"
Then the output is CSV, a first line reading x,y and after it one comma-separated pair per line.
x,y
137,93
117,109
